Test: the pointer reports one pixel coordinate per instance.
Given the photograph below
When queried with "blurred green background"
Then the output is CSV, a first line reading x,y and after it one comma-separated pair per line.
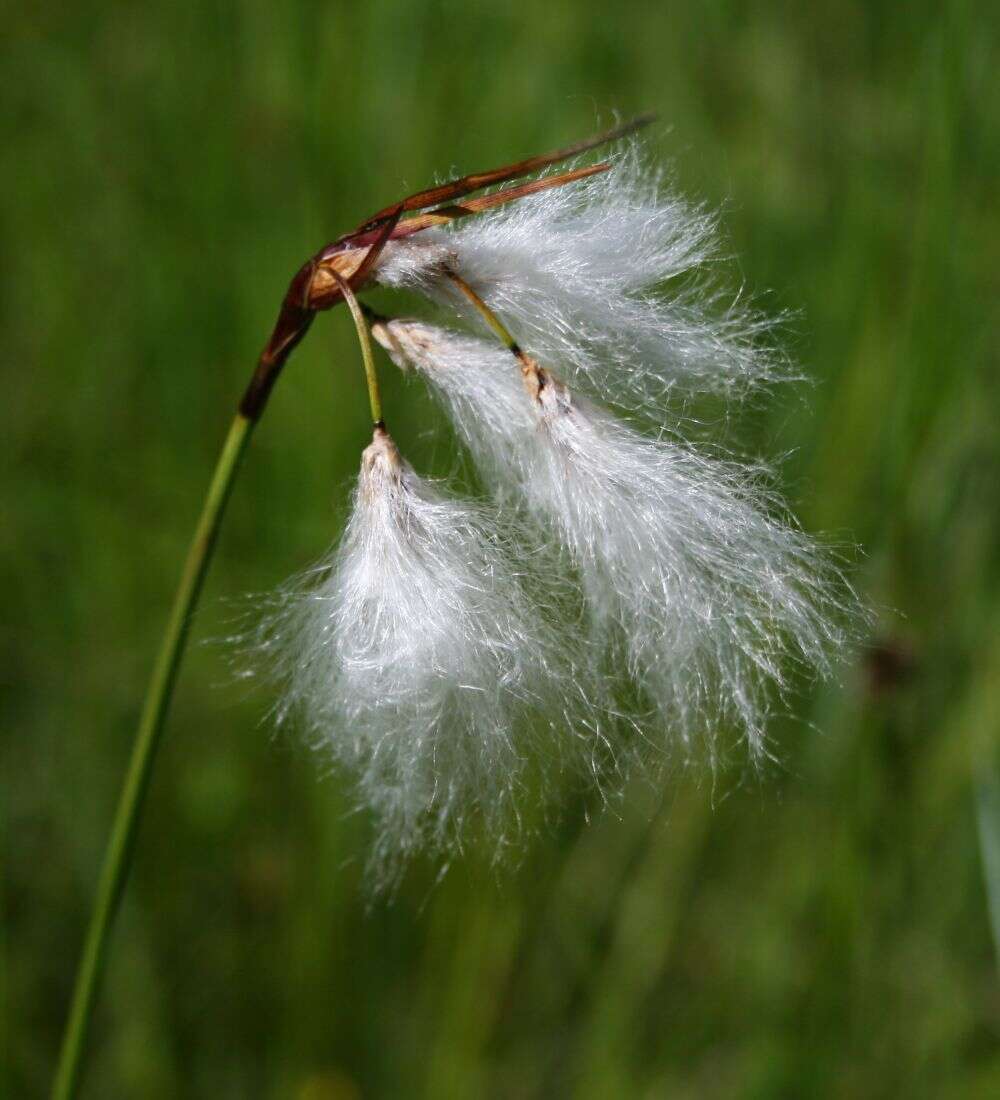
x,y
823,933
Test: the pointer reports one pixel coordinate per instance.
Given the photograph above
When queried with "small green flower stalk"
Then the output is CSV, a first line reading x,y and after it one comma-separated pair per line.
x,y
621,598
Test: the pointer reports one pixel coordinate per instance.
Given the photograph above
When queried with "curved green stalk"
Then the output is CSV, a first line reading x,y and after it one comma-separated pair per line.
x,y
492,320
364,339
118,854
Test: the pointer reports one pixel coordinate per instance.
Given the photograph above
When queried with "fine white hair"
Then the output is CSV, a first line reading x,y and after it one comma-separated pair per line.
x,y
612,281
628,598
411,654
699,587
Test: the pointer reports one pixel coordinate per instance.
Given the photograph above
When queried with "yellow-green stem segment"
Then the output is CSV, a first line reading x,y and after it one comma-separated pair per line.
x,y
486,313
365,340
118,854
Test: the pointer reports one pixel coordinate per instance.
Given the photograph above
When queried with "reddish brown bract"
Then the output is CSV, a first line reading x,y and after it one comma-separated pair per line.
x,y
352,257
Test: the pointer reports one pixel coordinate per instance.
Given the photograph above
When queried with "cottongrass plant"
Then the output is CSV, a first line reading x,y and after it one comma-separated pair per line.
x,y
412,657
698,586
623,600
579,273
695,595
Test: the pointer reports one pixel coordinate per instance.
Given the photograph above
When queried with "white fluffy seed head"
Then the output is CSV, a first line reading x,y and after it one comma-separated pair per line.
x,y
663,595
611,281
698,587
412,655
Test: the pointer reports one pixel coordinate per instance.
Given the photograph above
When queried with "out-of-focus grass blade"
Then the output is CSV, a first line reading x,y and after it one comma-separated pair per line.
x,y
987,794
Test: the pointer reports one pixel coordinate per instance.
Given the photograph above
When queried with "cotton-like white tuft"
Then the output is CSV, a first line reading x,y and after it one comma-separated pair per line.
x,y
611,281
412,655
663,597
695,589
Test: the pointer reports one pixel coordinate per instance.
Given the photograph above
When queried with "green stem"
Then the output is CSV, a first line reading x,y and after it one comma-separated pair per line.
x,y
118,854
487,314
364,339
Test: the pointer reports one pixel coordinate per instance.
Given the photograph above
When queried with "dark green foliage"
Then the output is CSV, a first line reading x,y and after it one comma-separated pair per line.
x,y
824,933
